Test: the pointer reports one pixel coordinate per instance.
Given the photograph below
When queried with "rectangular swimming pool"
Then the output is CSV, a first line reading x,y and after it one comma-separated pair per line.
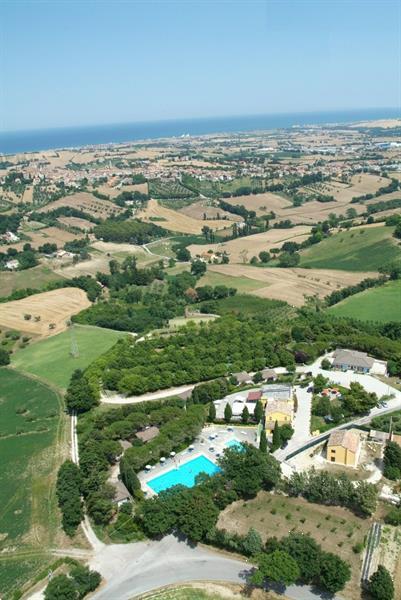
x,y
183,475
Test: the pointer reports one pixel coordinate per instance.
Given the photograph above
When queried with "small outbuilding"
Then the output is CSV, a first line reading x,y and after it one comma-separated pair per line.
x,y
121,493
148,434
242,377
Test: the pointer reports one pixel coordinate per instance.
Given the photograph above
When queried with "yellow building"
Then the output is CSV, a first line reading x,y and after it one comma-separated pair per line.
x,y
343,448
278,410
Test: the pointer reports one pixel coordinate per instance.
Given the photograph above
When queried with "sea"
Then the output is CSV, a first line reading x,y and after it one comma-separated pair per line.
x,y
77,137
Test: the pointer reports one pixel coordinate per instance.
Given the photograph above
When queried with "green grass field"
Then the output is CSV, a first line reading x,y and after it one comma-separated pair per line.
x,y
381,304
31,425
50,359
33,278
250,306
242,284
363,249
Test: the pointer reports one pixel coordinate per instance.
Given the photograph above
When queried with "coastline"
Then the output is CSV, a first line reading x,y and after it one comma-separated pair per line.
x,y
19,142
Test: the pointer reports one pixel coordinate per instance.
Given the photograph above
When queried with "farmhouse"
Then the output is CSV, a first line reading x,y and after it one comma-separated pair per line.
x,y
281,411
343,448
360,362
12,265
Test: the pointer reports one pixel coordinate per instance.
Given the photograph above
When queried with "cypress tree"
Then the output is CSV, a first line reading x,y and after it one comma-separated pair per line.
x,y
263,441
276,437
228,413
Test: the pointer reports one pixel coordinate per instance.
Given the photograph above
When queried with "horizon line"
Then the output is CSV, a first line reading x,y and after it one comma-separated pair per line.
x,y
204,118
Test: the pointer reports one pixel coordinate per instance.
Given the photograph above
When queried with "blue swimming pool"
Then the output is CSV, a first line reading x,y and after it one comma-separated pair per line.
x,y
183,475
235,444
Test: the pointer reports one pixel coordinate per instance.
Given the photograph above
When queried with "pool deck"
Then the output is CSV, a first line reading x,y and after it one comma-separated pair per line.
x,y
203,445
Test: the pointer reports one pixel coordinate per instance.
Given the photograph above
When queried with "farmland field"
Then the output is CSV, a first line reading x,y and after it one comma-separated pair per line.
x,y
54,307
87,203
291,285
33,278
243,248
242,284
377,304
32,444
38,237
262,203
273,515
364,249
51,360
175,221
197,210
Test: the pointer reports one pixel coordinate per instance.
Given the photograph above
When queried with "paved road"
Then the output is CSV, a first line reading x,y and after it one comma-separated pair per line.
x,y
133,569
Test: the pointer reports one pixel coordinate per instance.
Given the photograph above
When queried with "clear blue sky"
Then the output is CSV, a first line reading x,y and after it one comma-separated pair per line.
x,y
88,62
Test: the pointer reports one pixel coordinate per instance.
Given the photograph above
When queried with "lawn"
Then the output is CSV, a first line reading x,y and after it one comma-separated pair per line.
x,y
51,359
335,528
364,249
242,284
377,304
31,428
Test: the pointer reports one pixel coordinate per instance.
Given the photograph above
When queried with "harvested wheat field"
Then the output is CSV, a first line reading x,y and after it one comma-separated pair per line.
x,y
197,210
261,203
292,285
85,202
242,249
46,309
175,221
77,222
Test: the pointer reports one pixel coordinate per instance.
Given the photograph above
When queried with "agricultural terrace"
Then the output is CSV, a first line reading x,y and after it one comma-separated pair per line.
x,y
51,359
333,527
32,442
361,249
241,249
381,304
85,202
43,314
290,284
176,221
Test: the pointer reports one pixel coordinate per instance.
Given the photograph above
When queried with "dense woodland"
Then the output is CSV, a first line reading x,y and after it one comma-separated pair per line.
x,y
231,344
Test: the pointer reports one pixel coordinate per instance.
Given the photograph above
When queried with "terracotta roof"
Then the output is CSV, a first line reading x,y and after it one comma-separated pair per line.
x,y
254,396
148,434
345,438
280,406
